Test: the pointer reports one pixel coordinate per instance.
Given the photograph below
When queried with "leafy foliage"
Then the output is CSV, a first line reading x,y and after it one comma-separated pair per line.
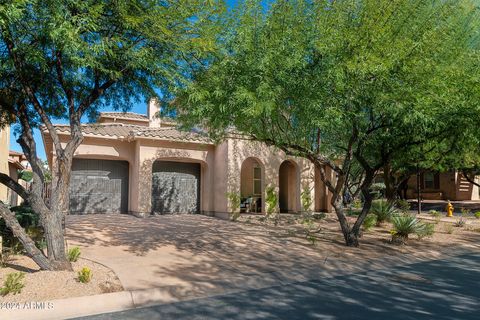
x,y
369,222
425,230
271,200
84,275
383,210
306,199
345,84
73,254
404,225
13,284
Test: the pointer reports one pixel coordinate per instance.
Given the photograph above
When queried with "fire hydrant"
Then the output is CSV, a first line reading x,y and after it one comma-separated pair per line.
x,y
449,209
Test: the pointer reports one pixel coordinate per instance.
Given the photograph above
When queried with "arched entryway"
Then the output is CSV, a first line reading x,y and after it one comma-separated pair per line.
x,y
251,185
288,187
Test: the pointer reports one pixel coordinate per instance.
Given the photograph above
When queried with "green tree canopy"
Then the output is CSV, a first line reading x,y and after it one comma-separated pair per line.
x,y
341,82
65,59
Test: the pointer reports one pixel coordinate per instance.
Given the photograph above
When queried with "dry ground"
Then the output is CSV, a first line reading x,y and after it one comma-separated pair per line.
x,y
49,285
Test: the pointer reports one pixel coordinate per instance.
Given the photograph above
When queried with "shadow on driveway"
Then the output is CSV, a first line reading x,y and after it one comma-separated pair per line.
x,y
440,289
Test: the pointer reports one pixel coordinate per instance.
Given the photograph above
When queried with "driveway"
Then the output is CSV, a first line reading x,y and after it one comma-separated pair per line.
x,y
190,255
445,289
193,256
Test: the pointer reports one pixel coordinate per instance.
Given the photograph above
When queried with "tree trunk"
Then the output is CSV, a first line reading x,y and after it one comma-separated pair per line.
x,y
35,253
390,186
53,221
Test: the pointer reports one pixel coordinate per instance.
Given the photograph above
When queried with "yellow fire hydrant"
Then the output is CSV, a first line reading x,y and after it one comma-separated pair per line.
x,y
449,209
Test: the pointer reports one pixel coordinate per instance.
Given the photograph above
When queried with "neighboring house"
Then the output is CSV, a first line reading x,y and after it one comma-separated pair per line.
x,y
17,162
142,164
4,147
442,186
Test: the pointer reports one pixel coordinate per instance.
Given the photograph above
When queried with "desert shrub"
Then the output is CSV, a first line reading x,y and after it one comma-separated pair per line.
x,y
369,222
425,230
30,221
448,228
477,215
306,199
460,223
434,213
383,210
465,212
378,190
5,257
234,199
73,254
311,238
357,204
402,205
85,275
319,215
13,284
403,226
271,200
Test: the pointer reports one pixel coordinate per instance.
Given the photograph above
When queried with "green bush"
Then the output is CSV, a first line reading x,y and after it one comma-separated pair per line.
x,y
378,190
13,284
357,204
369,222
383,210
434,213
477,215
30,221
234,198
306,198
271,200
85,275
460,223
73,254
403,226
402,205
425,230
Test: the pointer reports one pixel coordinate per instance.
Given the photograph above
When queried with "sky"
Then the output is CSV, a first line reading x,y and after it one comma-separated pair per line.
x,y
137,108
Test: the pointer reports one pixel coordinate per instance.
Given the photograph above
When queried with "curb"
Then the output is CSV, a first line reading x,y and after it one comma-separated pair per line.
x,y
69,308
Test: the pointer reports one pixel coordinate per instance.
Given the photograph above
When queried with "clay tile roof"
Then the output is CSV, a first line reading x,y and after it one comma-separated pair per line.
x,y
124,115
171,133
121,130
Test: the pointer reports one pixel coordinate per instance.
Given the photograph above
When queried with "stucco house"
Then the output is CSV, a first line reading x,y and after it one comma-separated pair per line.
x,y
442,186
142,164
4,148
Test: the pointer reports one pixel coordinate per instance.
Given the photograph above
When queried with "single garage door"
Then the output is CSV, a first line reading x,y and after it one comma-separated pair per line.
x,y
99,186
175,187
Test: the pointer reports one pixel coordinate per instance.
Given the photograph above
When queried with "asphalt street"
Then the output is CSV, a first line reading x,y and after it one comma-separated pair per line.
x,y
442,289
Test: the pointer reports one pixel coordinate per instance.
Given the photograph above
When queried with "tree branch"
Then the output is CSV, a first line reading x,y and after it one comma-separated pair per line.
x,y
14,186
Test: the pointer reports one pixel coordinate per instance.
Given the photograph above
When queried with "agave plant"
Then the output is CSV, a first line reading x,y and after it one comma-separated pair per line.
x,y
403,226
384,210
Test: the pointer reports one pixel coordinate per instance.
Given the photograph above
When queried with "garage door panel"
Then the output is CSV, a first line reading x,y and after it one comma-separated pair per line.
x,y
175,187
99,186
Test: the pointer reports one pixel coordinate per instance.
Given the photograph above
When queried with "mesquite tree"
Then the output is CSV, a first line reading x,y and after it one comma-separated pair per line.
x,y
345,84
65,59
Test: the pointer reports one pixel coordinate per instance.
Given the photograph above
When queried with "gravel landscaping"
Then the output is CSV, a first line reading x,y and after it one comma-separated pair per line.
x,y
48,285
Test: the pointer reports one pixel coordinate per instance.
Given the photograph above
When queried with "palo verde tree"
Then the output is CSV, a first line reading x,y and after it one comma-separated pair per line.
x,y
346,84
65,59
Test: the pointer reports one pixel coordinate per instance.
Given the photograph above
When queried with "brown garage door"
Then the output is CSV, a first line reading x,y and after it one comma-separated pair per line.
x,y
175,187
99,186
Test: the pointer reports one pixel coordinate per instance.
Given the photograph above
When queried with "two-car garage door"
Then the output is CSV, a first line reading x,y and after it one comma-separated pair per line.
x,y
99,186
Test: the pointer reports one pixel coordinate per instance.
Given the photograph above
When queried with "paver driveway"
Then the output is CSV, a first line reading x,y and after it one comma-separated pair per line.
x,y
190,255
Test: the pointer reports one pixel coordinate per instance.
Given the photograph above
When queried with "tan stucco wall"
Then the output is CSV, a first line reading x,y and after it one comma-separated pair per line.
x,y
220,169
270,159
452,186
4,149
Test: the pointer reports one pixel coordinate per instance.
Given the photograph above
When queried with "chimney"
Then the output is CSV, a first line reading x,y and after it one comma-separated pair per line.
x,y
153,113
